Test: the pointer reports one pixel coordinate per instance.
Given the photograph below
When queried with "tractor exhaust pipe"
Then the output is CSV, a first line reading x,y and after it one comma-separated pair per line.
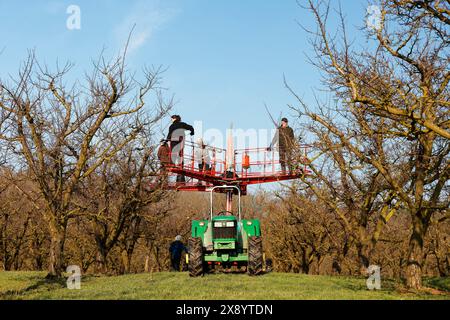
x,y
229,201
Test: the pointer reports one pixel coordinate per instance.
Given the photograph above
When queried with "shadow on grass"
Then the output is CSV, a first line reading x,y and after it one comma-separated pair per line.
x,y
244,272
387,285
48,283
442,284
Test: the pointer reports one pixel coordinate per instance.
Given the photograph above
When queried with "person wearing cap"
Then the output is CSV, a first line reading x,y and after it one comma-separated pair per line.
x,y
286,141
177,137
177,130
176,249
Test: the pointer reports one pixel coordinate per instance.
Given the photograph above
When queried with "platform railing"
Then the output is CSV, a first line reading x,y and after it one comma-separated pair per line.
x,y
189,160
266,162
250,162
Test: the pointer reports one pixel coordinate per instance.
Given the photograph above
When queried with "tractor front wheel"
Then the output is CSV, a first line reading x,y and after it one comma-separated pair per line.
x,y
255,256
195,257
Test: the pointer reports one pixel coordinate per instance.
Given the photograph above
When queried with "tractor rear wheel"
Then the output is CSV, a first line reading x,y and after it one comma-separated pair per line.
x,y
195,257
255,256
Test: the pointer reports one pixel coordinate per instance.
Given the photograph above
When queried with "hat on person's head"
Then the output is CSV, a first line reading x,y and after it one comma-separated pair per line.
x,y
178,238
200,141
285,120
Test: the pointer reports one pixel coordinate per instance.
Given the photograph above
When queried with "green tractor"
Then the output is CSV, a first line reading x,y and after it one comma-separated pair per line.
x,y
225,241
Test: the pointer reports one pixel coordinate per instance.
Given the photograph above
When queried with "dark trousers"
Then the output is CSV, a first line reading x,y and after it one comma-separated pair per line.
x,y
175,263
181,178
204,167
286,160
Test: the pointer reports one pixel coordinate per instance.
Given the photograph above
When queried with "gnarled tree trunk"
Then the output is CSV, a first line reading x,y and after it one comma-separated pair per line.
x,y
56,257
415,254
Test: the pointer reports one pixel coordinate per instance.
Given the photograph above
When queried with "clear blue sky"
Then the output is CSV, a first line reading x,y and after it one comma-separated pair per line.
x,y
226,57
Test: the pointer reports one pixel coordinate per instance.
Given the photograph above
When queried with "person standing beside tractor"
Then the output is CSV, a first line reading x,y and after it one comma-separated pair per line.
x,y
177,137
286,142
176,249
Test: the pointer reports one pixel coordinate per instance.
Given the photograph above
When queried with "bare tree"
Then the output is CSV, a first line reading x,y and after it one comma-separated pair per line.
x,y
398,90
58,132
355,192
119,196
306,239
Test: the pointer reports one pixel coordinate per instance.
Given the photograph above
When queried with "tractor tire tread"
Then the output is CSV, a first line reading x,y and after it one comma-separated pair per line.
x,y
255,256
195,265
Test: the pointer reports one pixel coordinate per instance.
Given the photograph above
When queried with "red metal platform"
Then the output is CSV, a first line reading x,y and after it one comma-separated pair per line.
x,y
240,167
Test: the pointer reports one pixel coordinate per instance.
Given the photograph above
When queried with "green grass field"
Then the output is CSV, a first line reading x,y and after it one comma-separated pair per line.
x,y
179,286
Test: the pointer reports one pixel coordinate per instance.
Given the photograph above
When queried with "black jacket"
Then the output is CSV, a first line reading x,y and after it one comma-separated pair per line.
x,y
177,126
176,248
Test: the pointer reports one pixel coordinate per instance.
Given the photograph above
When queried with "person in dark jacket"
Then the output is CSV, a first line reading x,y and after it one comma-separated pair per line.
x,y
286,142
176,249
177,137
